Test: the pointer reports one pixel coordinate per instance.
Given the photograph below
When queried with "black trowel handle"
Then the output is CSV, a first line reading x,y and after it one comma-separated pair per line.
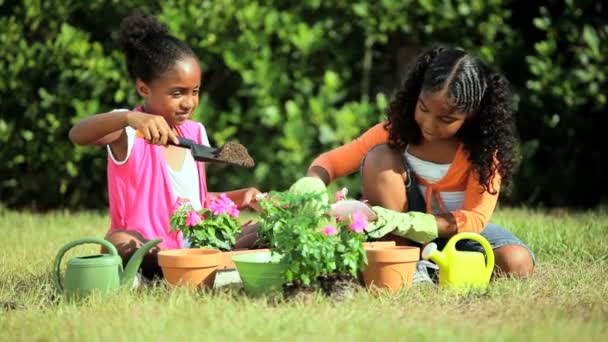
x,y
182,142
200,152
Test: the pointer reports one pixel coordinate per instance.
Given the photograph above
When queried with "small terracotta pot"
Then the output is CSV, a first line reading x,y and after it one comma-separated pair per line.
x,y
191,267
229,264
379,244
390,268
398,240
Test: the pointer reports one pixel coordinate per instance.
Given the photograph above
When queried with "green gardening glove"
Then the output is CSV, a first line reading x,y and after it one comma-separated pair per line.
x,y
306,185
413,225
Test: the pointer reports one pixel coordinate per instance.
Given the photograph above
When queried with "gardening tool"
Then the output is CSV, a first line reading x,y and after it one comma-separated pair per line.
x,y
97,272
462,269
200,152
346,208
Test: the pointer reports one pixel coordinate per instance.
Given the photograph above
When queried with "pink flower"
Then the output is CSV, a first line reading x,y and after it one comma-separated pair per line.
x,y
341,194
193,218
329,230
223,205
358,223
234,212
178,204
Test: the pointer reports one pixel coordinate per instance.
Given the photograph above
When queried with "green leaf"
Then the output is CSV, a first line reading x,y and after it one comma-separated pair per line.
x,y
590,37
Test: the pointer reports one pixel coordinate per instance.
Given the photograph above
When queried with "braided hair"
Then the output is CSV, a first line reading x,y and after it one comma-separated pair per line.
x,y
488,134
149,48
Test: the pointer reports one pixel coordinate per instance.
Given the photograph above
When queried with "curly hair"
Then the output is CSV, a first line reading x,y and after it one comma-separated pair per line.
x,y
488,134
149,48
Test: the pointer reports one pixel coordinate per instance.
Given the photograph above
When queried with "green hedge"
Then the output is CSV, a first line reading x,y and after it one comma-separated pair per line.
x,y
292,79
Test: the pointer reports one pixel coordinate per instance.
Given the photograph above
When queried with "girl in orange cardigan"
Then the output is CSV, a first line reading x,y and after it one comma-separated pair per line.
x,y
445,149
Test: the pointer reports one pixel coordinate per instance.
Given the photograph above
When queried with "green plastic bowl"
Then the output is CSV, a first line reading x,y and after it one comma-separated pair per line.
x,y
261,273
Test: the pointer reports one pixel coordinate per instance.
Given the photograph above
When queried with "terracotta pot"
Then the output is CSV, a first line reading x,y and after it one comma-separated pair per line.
x,y
379,244
390,268
229,264
399,241
191,267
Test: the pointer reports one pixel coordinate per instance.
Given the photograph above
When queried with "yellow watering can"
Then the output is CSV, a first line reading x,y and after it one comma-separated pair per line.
x,y
462,269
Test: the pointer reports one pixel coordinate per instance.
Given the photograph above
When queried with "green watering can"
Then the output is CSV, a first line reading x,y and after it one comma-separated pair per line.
x,y
97,272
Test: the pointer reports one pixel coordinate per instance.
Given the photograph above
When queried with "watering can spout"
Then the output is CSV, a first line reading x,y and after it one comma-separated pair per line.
x,y
128,274
438,257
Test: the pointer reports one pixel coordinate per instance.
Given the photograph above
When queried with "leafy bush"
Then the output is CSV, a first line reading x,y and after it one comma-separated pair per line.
x,y
290,80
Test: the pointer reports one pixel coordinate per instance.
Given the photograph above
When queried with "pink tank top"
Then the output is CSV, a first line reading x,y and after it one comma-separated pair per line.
x,y
140,192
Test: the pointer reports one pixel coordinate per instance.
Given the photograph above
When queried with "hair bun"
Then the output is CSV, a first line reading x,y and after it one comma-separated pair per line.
x,y
136,28
496,79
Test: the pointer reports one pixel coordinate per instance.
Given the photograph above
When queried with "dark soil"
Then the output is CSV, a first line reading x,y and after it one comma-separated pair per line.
x,y
235,153
299,291
340,286
336,286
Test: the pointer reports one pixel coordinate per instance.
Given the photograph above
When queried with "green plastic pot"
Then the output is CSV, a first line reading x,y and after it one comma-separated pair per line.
x,y
261,273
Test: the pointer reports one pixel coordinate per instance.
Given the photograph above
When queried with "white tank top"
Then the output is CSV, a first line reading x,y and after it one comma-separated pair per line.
x,y
433,173
185,181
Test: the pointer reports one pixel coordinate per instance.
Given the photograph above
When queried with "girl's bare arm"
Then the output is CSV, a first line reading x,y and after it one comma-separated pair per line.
x,y
100,129
108,129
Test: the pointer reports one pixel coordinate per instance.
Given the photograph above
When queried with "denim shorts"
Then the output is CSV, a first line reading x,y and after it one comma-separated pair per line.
x,y
496,236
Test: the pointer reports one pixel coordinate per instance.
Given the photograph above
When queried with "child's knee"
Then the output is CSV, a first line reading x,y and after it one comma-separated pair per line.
x,y
246,241
125,241
381,157
382,179
250,229
382,165
515,261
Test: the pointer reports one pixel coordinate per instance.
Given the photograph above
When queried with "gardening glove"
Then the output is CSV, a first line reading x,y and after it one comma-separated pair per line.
x,y
413,225
312,185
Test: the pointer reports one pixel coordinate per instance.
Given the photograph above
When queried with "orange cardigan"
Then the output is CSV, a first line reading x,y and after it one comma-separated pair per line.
x,y
477,207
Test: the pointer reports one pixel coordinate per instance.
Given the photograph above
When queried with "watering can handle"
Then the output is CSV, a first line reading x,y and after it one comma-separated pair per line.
x,y
484,243
57,265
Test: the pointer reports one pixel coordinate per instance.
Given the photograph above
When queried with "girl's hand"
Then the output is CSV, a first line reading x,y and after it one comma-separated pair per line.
x,y
153,127
250,200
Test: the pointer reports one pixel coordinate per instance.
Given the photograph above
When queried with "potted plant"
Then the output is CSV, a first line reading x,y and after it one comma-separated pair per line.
x,y
316,249
214,227
389,267
208,231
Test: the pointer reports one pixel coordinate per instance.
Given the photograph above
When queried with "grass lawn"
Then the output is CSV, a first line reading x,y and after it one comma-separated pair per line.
x,y
566,299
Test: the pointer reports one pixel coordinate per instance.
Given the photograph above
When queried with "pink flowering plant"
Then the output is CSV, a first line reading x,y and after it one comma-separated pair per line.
x,y
216,226
313,243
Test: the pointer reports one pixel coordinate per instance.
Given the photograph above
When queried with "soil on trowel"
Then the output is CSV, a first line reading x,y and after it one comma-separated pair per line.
x,y
236,153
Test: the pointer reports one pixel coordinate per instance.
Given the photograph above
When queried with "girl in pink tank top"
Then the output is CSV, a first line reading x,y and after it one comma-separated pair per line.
x,y
145,174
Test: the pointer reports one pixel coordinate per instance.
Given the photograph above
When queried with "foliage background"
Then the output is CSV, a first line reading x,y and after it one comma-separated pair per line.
x,y
293,79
